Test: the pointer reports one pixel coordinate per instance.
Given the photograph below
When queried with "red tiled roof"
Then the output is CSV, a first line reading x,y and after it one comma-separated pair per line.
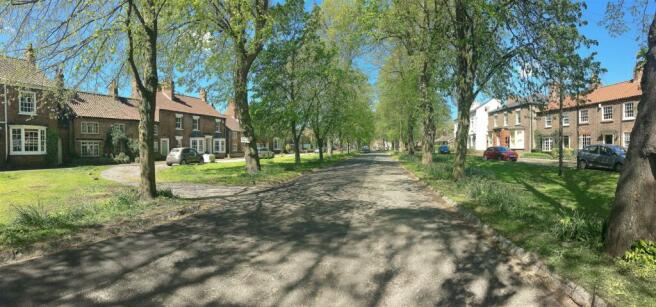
x,y
21,71
104,106
233,124
618,91
185,104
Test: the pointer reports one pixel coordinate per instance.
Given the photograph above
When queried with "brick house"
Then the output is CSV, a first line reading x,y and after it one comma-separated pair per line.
x,y
605,116
234,131
513,125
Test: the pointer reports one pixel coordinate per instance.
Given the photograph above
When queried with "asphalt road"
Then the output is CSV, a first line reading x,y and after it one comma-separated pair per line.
x,y
359,234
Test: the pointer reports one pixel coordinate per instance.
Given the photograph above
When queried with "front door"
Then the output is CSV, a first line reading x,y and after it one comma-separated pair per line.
x,y
608,139
208,144
164,146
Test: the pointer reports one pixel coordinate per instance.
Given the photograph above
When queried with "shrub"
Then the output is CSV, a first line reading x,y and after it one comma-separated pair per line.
x,y
165,193
578,228
642,252
494,194
52,146
121,158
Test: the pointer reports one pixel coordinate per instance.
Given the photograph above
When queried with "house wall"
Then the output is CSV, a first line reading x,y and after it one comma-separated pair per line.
x,y
478,125
104,128
502,134
208,127
595,128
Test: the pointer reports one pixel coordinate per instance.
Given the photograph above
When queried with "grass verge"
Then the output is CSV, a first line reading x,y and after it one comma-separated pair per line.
x,y
559,218
278,169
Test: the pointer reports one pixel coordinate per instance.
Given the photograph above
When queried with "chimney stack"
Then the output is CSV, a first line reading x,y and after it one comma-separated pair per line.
x,y
29,55
135,89
203,95
553,92
59,78
168,88
113,89
637,74
231,111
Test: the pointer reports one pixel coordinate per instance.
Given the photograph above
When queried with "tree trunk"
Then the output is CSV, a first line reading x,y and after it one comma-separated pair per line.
x,y
464,87
428,140
330,147
561,97
241,101
296,138
634,211
410,147
320,146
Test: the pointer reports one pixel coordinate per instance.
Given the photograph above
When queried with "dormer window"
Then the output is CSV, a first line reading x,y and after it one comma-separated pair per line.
x,y
27,103
196,123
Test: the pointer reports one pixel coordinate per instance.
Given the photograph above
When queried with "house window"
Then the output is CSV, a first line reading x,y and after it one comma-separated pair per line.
x,y
627,139
178,121
518,117
219,145
89,128
28,140
583,117
629,111
565,120
27,103
565,141
495,120
608,139
89,149
584,141
120,127
156,130
505,119
218,125
156,146
547,144
196,123
607,113
234,143
277,144
198,144
547,121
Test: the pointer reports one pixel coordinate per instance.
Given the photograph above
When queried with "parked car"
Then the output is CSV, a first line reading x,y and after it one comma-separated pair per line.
x,y
316,150
183,155
602,155
265,153
443,149
365,149
500,153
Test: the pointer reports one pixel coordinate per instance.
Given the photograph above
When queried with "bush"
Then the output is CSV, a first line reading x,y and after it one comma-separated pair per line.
x,y
576,227
165,193
121,158
642,252
52,146
494,194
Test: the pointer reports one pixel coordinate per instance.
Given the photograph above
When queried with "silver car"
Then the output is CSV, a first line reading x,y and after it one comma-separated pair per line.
x,y
265,153
183,155
602,155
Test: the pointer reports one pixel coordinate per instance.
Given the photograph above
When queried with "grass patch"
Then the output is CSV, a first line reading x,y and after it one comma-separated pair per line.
x,y
274,170
537,155
560,218
37,223
52,189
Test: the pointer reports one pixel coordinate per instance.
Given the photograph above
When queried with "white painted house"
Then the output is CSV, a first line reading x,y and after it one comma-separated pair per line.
x,y
478,124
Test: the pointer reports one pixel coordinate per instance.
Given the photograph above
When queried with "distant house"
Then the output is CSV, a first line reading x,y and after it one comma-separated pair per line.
x,y
513,124
478,124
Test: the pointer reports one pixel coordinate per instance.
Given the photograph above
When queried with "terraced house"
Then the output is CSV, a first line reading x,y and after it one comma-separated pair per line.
x,y
605,116
513,125
38,130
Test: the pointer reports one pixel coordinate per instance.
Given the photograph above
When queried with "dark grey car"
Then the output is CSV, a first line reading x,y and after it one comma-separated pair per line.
x,y
604,156
183,155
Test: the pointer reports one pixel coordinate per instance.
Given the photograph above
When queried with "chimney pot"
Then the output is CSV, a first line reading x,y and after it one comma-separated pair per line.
x,y
113,88
168,88
30,55
203,95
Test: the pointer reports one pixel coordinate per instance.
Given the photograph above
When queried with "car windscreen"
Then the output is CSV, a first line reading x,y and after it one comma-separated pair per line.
x,y
175,150
618,150
502,149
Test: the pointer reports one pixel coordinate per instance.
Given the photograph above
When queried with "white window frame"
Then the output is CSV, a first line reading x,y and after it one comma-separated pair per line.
x,y
218,125
20,102
84,127
626,139
545,141
583,144
121,126
87,143
603,114
518,117
41,139
277,144
195,123
156,130
587,116
612,137
221,148
505,119
181,118
633,110
156,146
200,144
569,141
547,121
565,120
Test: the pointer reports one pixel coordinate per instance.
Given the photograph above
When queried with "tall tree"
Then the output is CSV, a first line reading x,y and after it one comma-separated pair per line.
x,y
245,25
89,37
634,210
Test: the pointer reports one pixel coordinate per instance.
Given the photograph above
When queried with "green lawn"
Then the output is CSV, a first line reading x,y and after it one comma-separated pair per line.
x,y
274,170
560,218
52,188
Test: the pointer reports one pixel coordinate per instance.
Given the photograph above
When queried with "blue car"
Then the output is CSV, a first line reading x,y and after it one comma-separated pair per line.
x,y
443,149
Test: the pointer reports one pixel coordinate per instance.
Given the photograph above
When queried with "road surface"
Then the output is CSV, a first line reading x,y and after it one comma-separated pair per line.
x,y
362,233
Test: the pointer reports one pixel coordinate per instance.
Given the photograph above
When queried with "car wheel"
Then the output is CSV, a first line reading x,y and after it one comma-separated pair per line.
x,y
169,164
618,167
583,164
183,162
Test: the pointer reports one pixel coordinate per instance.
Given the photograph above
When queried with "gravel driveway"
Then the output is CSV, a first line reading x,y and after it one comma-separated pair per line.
x,y
359,234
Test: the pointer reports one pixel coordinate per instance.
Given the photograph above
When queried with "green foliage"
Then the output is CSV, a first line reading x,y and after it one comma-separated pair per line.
x,y
643,253
575,226
52,145
121,158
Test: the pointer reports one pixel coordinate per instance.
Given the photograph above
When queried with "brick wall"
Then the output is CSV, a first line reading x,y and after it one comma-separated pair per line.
x,y
500,133
104,127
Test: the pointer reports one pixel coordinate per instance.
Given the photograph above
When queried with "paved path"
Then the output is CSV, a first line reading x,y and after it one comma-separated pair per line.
x,y
359,234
